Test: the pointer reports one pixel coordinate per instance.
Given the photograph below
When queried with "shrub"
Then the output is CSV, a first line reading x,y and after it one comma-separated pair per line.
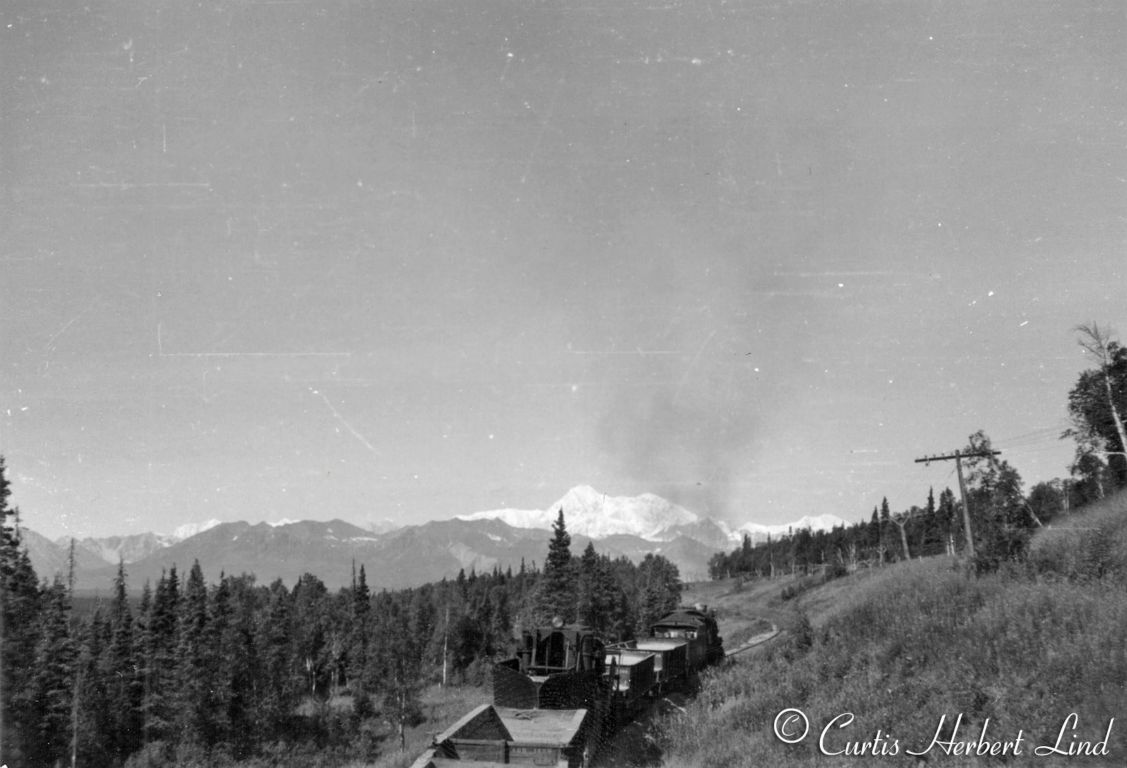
x,y
1023,646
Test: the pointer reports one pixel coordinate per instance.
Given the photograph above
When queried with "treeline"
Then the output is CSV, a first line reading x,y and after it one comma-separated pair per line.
x,y
199,673
999,516
1001,520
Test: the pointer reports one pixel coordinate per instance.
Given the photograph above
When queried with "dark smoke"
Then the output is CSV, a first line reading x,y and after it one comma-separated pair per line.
x,y
682,441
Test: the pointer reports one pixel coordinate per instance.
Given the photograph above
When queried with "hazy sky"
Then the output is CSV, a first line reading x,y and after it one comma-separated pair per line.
x,y
414,259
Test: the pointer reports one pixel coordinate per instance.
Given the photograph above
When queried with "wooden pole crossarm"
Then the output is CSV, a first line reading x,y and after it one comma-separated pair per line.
x,y
958,455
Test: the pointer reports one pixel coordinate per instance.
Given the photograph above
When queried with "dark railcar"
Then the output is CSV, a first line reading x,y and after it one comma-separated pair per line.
x,y
566,691
698,626
633,680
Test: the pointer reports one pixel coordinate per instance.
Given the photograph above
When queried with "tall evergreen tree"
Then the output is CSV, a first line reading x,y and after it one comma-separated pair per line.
x,y
159,659
500,630
19,620
601,599
118,667
50,695
95,710
192,705
555,598
280,687
220,650
659,589
240,657
359,628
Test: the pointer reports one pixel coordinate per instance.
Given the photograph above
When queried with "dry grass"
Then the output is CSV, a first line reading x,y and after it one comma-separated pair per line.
x,y
900,647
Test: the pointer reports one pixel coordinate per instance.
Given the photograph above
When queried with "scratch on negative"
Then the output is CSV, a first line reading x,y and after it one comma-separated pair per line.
x,y
349,427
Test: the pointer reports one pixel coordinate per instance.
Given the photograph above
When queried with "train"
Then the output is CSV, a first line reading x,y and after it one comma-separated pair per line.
x,y
566,691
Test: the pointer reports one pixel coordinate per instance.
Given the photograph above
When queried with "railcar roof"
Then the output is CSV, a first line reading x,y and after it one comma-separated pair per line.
x,y
685,617
548,727
542,726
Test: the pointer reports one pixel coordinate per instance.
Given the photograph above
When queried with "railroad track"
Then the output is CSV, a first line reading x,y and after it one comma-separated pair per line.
x,y
754,641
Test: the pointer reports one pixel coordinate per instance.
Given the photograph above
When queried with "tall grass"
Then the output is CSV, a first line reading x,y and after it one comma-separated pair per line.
x,y
1023,649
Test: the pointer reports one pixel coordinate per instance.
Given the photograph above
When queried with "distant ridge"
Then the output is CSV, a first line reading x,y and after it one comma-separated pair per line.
x,y
404,556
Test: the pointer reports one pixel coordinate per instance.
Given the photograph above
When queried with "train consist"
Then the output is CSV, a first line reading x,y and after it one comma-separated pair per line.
x,y
566,692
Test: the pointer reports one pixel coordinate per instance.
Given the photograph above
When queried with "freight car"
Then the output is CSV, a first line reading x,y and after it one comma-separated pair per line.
x,y
682,643
696,625
566,691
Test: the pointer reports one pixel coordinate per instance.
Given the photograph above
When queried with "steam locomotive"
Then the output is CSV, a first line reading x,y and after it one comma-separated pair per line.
x,y
567,691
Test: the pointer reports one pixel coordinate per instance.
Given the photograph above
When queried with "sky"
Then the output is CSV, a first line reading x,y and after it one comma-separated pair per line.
x,y
407,260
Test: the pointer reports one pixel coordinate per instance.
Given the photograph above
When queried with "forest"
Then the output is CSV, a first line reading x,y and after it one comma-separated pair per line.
x,y
1001,519
198,672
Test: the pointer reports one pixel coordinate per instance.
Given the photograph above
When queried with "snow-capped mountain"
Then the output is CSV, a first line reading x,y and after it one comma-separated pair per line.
x,y
128,549
759,532
135,547
597,515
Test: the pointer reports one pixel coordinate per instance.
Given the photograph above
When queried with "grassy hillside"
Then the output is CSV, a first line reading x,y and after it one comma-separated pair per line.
x,y
904,646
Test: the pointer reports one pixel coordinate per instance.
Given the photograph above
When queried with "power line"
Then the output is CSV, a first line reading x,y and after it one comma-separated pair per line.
x,y
958,456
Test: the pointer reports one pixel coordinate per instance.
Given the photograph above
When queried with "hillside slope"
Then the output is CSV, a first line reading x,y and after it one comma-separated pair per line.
x,y
908,647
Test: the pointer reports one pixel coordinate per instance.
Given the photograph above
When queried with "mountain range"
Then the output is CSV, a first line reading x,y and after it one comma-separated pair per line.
x,y
627,526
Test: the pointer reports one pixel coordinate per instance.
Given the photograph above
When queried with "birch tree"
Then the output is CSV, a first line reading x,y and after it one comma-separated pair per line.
x,y
1097,403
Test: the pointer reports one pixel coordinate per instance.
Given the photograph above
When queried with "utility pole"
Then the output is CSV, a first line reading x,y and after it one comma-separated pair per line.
x,y
958,456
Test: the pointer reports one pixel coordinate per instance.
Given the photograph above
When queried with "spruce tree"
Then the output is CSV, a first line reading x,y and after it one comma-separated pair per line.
x,y
586,601
51,688
501,629
555,599
359,626
95,710
279,690
158,705
19,606
659,589
600,598
118,668
240,659
220,655
191,693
